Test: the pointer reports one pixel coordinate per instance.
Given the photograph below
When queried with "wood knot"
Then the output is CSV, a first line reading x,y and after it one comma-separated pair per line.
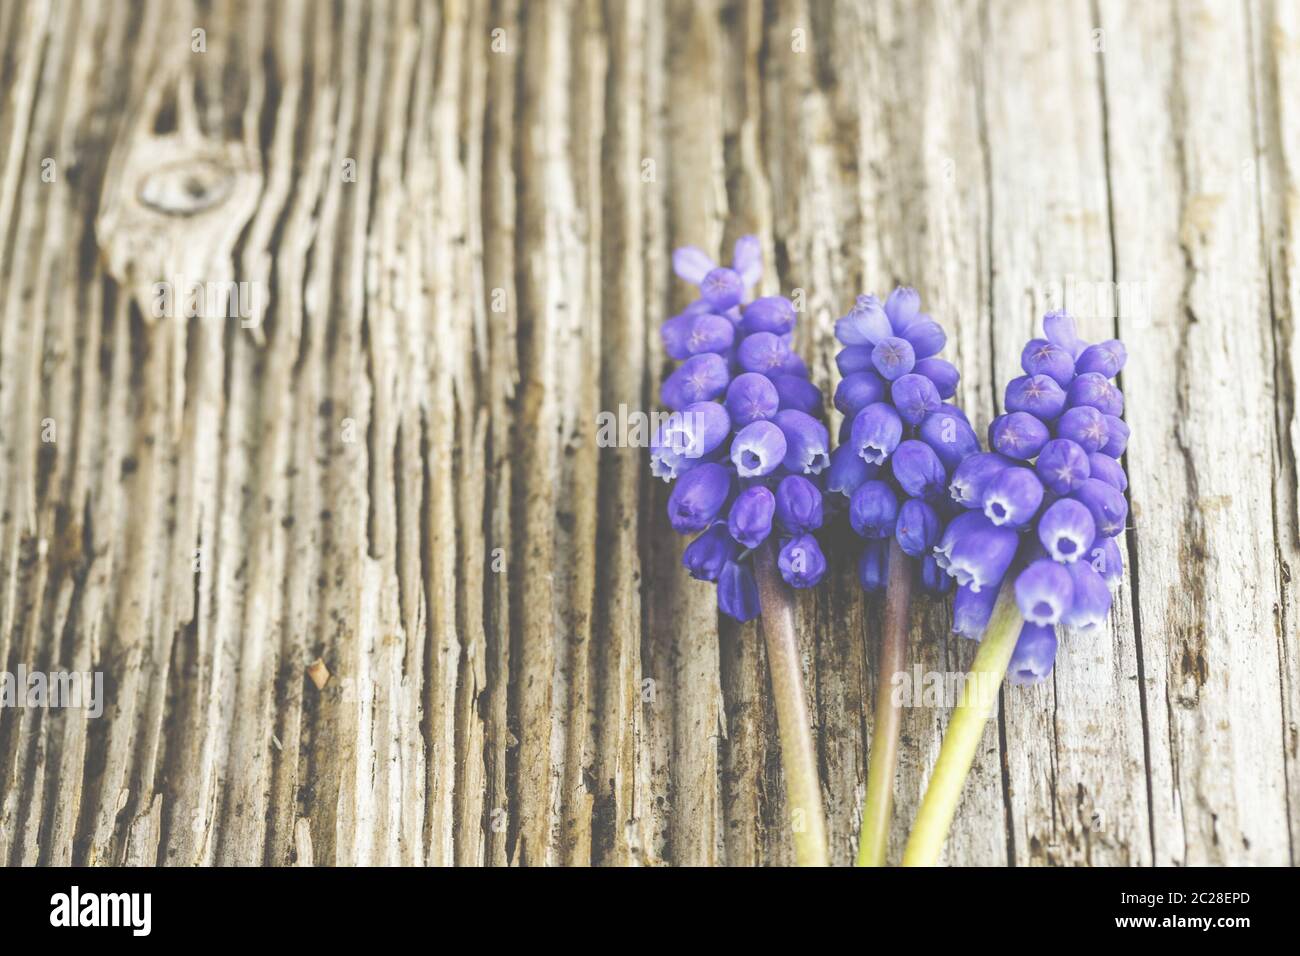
x,y
186,187
174,206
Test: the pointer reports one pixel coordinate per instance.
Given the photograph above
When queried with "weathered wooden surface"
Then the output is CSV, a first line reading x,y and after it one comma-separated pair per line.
x,y
396,471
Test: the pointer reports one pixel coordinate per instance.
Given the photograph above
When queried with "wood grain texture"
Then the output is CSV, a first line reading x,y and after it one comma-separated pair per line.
x,y
458,217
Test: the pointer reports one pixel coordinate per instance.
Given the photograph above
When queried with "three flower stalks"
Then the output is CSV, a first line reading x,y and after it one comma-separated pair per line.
x,y
1024,532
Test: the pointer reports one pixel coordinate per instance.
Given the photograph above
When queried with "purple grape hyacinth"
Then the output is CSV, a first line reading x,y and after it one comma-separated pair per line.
x,y
1053,482
744,444
901,441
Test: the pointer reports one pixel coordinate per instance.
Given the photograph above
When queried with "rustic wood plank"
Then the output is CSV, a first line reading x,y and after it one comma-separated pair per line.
x,y
1187,225
1275,35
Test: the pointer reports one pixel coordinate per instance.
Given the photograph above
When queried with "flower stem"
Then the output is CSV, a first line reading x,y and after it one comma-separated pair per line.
x,y
803,787
874,841
965,729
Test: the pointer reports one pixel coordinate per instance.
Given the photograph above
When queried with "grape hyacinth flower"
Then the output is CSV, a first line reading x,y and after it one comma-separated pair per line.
x,y
1053,481
1040,481
745,446
904,442
747,452
722,289
899,447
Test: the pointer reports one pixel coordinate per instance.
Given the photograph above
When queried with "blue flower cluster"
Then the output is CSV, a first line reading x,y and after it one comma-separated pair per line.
x,y
743,443
1047,500
901,441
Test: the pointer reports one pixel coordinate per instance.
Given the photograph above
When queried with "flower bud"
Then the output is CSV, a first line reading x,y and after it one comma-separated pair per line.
x,y
1083,425
722,288
1108,470
747,259
848,471
917,528
866,324
697,497
751,397
705,556
873,510
1066,530
877,430
758,449
1041,357
1117,433
793,365
1091,605
763,352
858,390
971,611
854,358
773,313
1039,395
914,396
972,476
926,336
918,470
942,373
676,333
808,443
902,307
1012,497
798,393
1044,592
1106,560
1107,504
692,264
750,518
710,333
1034,655
949,434
1018,435
801,561
1095,389
738,592
1060,330
798,504
701,378
1062,465
1105,358
893,357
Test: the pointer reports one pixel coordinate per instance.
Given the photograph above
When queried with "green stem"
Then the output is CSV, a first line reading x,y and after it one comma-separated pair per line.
x,y
965,729
874,841
803,787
